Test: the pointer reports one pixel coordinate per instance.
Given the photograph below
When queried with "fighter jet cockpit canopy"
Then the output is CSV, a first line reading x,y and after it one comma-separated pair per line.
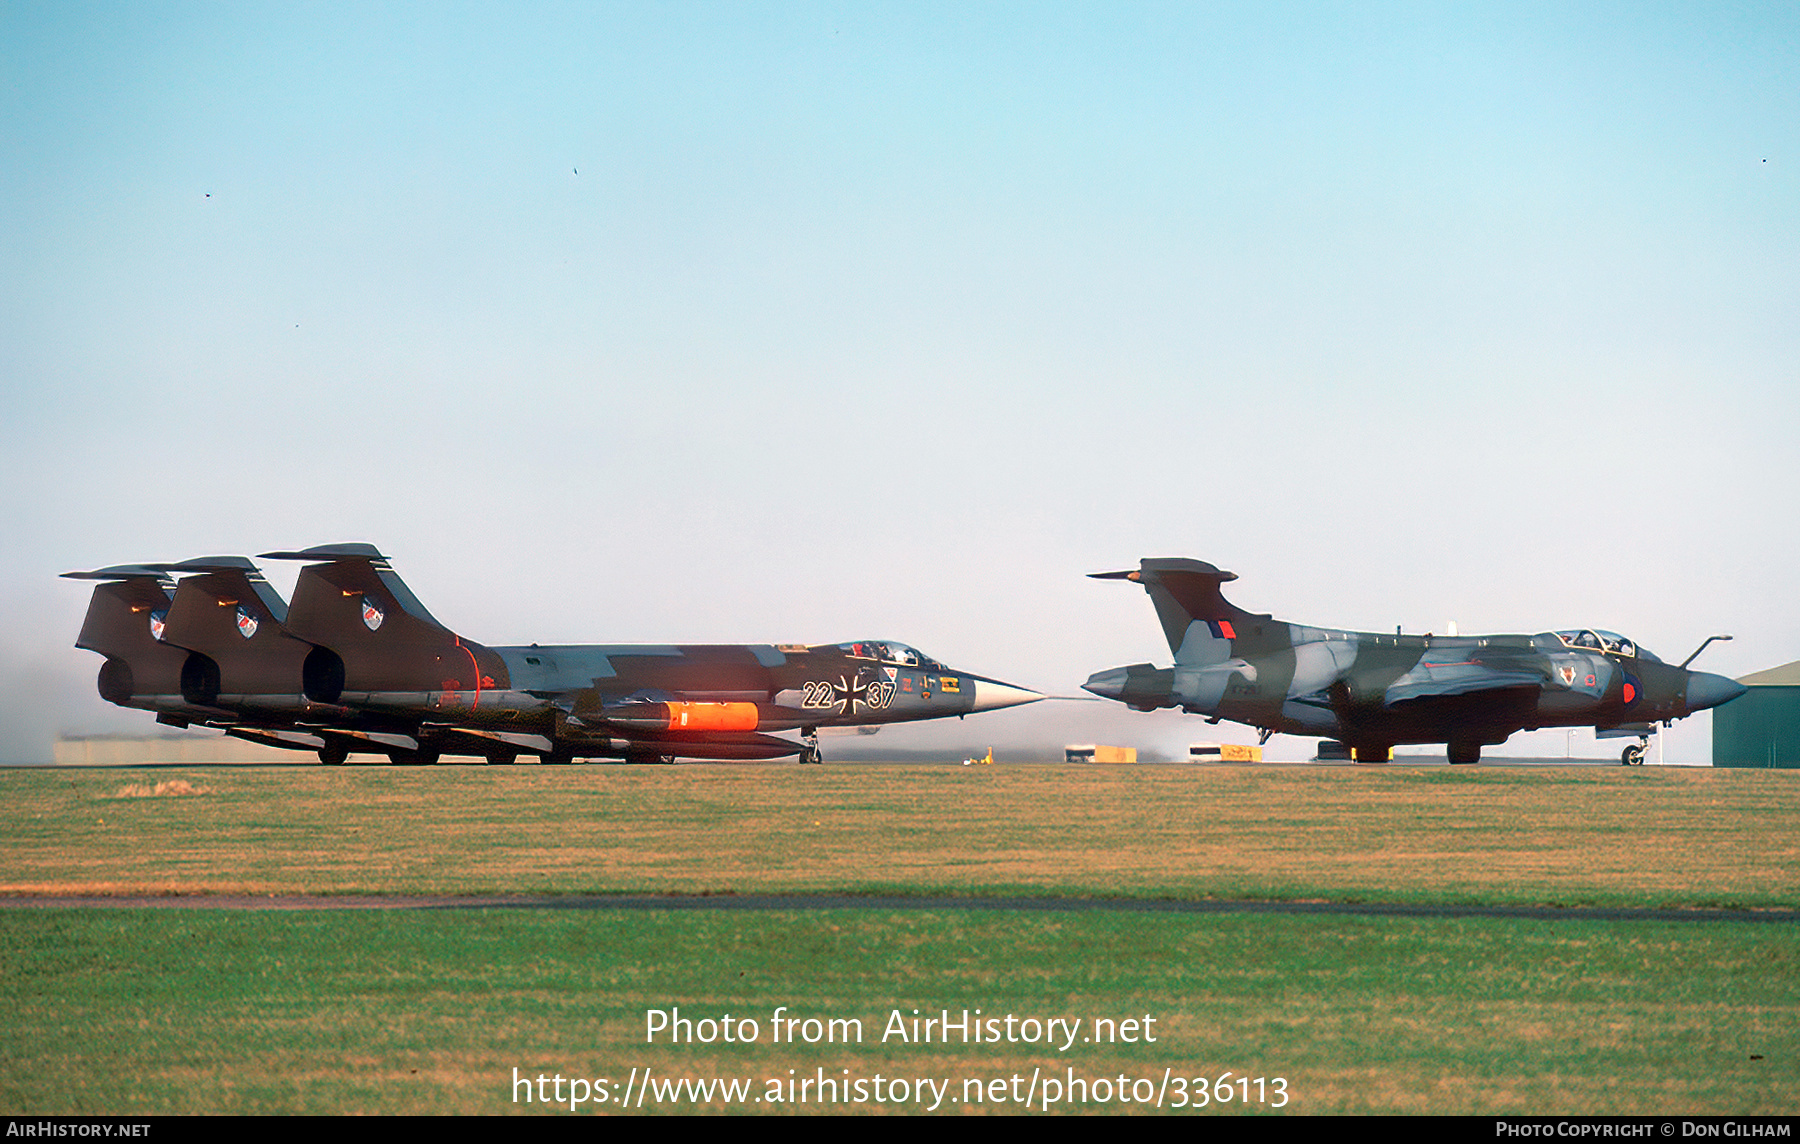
x,y
1588,639
887,651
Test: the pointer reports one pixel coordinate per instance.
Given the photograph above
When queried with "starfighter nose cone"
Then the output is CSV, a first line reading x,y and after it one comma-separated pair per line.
x,y
1707,690
1108,684
990,695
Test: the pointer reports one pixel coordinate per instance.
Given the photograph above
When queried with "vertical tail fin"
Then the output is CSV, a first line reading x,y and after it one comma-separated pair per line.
x,y
1199,623
235,624
125,623
350,601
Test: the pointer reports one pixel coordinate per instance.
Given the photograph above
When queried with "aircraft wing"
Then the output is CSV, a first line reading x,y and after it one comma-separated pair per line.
x,y
1443,680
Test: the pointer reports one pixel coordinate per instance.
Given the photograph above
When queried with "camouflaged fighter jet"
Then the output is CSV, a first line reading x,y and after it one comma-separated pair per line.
x,y
357,665
1375,691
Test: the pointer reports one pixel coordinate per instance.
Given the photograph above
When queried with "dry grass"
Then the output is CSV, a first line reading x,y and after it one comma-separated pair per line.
x,y
173,789
1557,836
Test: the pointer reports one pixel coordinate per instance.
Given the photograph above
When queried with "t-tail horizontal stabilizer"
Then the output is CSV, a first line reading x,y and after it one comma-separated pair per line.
x,y
1186,592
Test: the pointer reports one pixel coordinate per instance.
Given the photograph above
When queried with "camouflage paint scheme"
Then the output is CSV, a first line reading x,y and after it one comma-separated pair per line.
x,y
1375,691
357,665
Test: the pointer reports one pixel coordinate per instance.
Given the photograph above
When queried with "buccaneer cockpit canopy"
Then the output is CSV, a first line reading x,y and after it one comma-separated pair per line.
x,y
1590,639
887,651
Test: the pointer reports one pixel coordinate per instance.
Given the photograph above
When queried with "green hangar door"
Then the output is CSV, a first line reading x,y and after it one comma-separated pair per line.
x,y
1761,728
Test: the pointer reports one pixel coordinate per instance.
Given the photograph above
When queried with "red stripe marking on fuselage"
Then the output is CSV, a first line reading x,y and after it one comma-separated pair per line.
x,y
477,669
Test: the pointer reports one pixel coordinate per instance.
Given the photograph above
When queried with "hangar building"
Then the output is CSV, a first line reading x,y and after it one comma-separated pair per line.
x,y
1761,728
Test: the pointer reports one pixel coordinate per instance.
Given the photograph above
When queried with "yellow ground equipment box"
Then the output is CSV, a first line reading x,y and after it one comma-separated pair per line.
x,y
1093,753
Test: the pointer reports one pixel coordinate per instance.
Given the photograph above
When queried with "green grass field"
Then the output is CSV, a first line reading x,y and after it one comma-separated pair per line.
x,y
144,1011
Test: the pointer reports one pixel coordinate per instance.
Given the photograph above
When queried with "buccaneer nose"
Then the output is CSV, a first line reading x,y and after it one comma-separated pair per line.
x,y
990,695
1706,690
1108,684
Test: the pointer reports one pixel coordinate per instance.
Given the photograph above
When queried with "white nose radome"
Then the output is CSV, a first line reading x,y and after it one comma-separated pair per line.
x,y
990,695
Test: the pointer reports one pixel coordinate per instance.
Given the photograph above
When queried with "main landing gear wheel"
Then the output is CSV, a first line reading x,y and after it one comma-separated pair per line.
x,y
333,754
1462,754
1633,755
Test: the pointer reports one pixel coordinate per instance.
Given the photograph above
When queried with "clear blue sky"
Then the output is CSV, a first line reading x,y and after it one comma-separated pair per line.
x,y
680,322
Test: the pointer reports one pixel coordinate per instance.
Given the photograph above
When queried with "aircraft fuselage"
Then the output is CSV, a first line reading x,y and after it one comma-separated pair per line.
x,y
357,664
1376,691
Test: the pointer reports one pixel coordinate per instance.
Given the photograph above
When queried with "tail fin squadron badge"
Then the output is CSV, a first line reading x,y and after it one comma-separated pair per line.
x,y
159,622
246,623
372,615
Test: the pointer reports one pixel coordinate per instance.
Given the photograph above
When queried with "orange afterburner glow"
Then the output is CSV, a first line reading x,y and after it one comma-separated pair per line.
x,y
712,716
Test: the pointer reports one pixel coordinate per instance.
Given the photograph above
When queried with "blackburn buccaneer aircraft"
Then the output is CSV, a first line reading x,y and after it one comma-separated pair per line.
x,y
357,665
1374,691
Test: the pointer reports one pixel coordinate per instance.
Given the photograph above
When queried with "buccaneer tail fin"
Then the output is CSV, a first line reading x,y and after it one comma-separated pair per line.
x,y
1198,621
372,634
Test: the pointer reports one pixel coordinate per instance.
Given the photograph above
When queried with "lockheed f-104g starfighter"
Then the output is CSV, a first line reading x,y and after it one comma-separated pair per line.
x,y
356,665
